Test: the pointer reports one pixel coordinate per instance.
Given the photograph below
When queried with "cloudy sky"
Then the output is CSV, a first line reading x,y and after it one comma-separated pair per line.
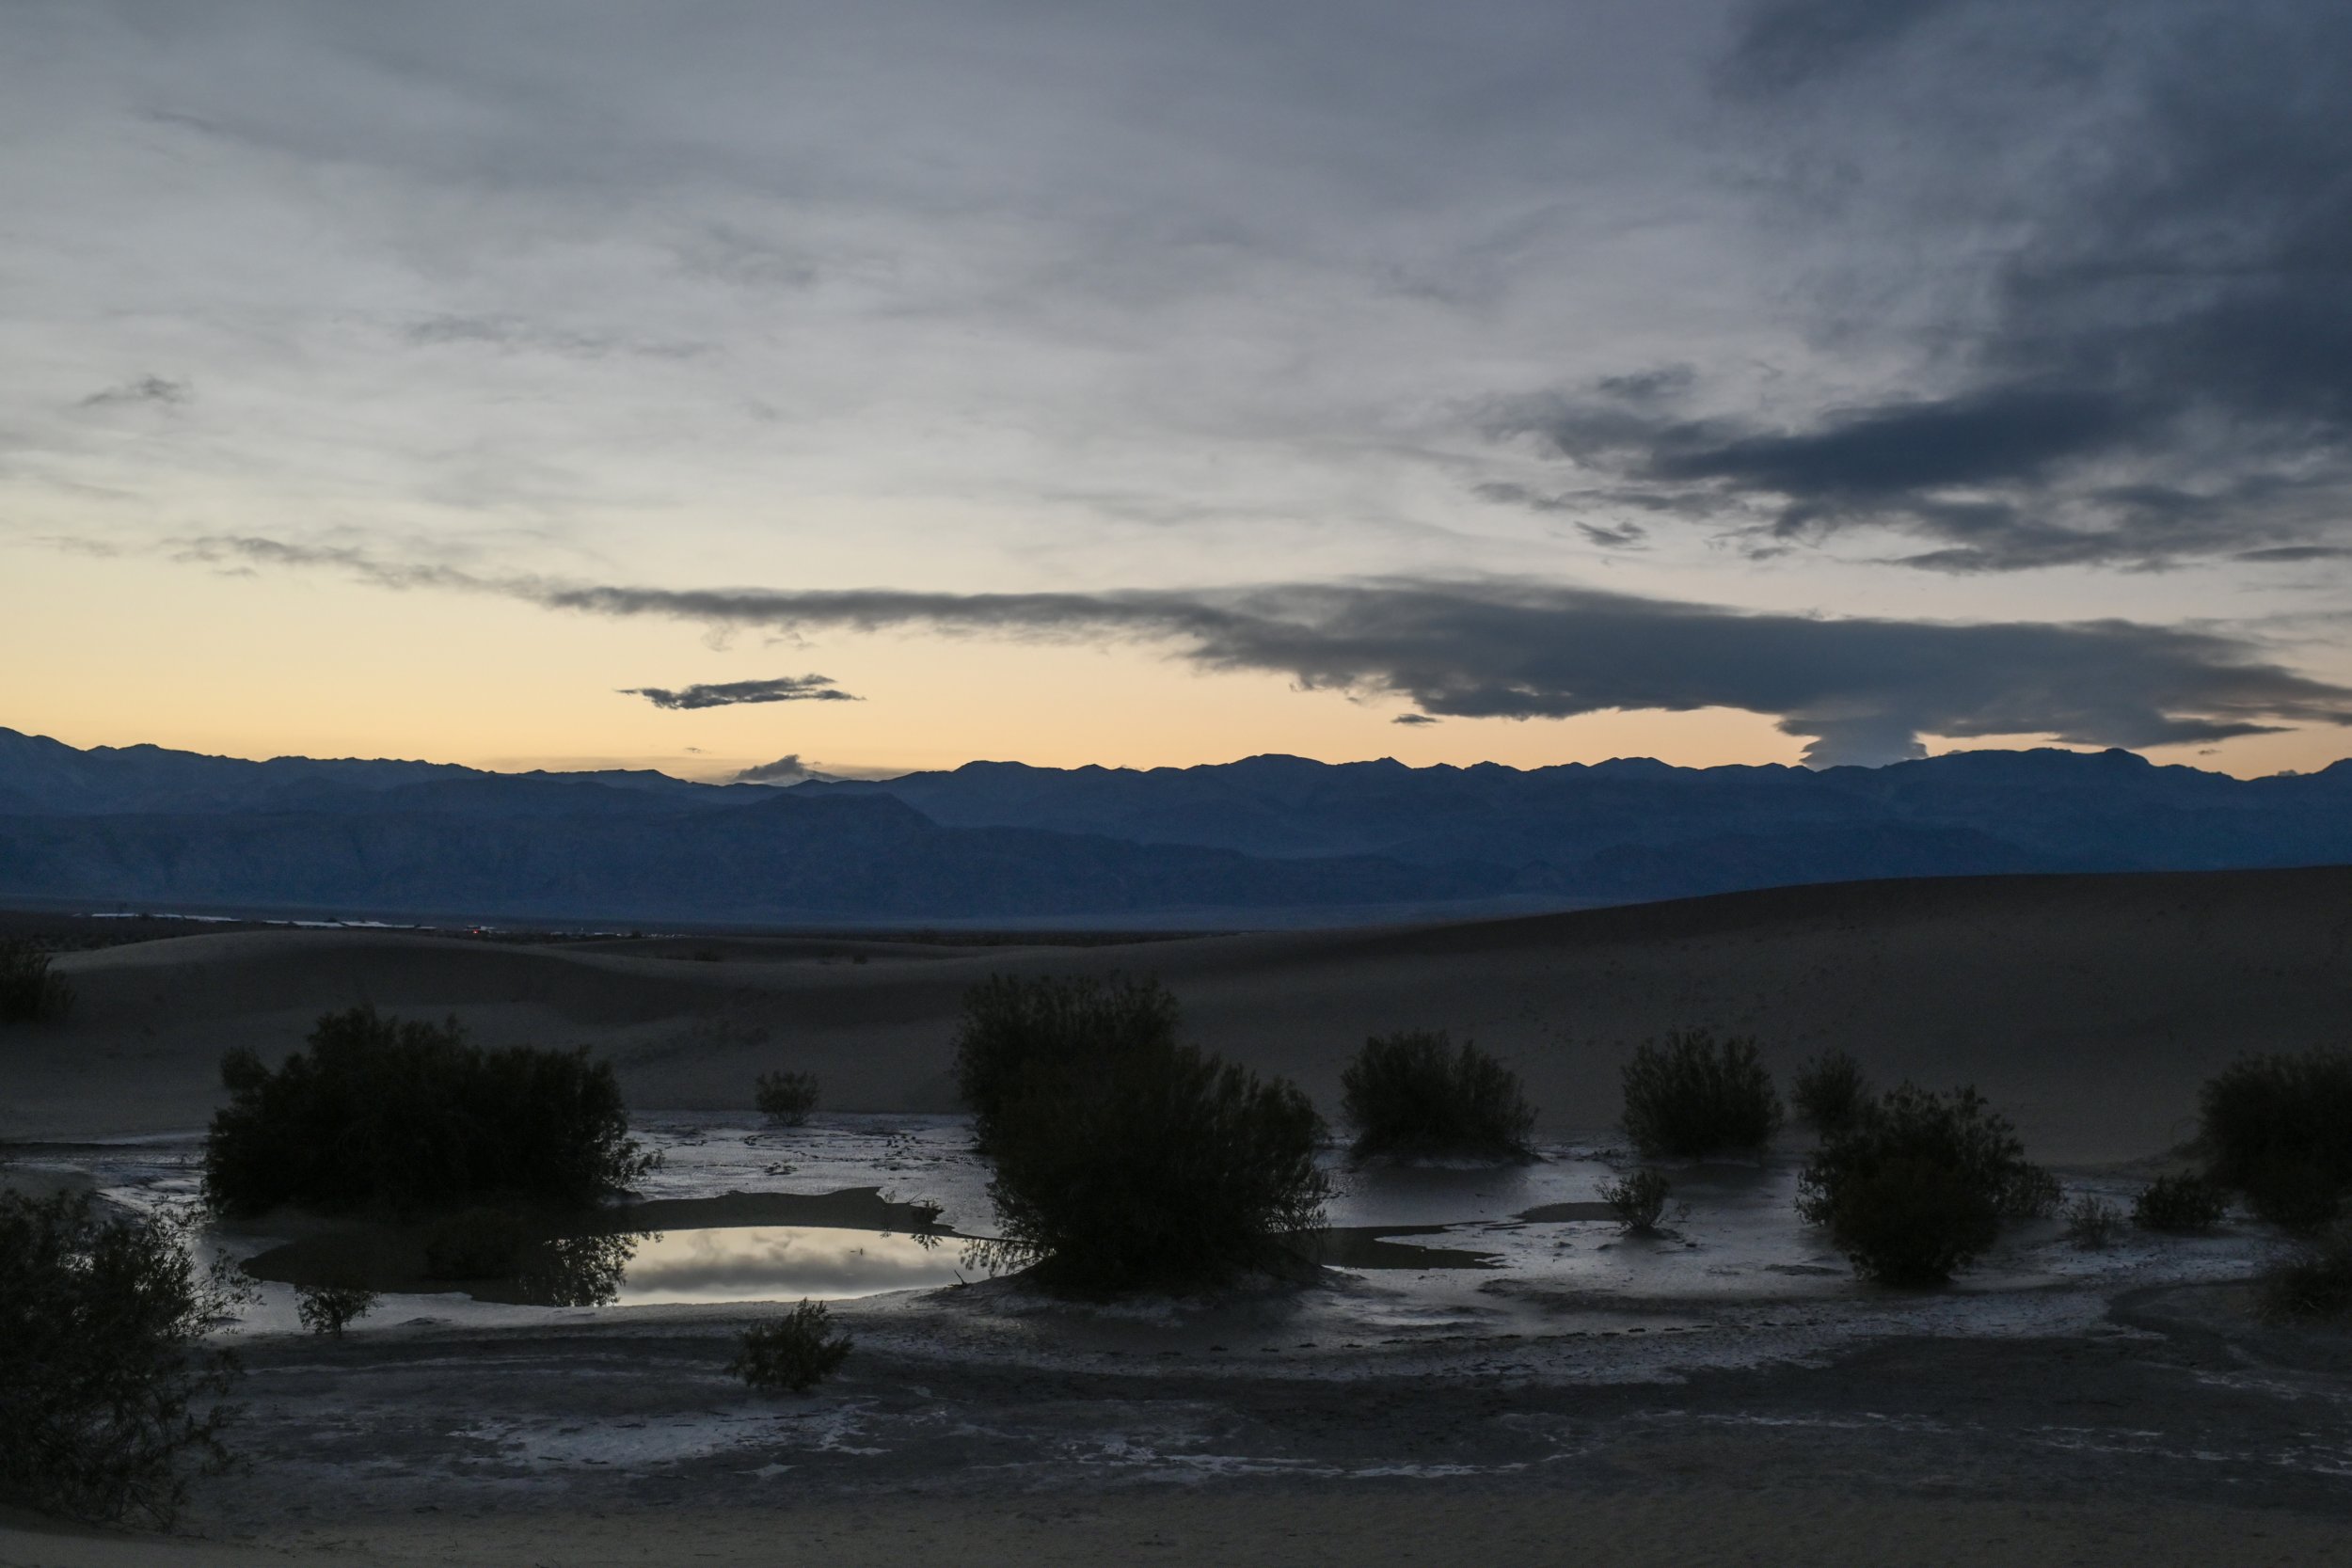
x,y
893,384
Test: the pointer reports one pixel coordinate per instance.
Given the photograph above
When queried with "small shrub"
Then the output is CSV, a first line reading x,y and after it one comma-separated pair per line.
x,y
2279,1129
1143,1164
2315,1283
1415,1094
2092,1224
1920,1186
2181,1204
384,1114
1830,1093
481,1243
326,1308
1638,1201
785,1097
102,1364
1014,1028
796,1352
1691,1095
30,992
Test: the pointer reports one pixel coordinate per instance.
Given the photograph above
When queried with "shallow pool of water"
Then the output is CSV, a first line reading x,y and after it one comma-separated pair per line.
x,y
783,1262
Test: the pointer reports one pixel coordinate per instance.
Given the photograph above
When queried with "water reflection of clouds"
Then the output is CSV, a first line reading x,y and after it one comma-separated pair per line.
x,y
777,1262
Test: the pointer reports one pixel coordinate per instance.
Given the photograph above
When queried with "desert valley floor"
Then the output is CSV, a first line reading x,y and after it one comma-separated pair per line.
x,y
1485,1369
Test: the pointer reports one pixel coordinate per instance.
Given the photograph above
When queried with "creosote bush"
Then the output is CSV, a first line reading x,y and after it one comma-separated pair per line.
x,y
1691,1095
1416,1094
2094,1223
327,1309
2182,1204
385,1115
794,1353
2279,1129
109,1400
30,992
785,1097
1014,1029
1922,1186
1830,1093
1637,1202
1126,1162
2315,1283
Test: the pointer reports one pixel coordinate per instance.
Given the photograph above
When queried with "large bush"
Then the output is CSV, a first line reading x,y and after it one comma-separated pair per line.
x,y
2279,1129
400,1117
1920,1186
1691,1095
30,992
2315,1283
109,1400
1133,1162
1013,1027
1417,1094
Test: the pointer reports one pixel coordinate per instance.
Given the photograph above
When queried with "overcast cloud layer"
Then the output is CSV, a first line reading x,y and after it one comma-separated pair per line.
x,y
1903,370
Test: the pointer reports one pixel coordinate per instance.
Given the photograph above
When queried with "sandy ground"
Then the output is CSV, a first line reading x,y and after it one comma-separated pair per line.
x,y
2084,1423
2089,1007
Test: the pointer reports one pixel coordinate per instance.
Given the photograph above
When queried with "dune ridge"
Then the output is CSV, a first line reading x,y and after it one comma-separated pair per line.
x,y
2088,1007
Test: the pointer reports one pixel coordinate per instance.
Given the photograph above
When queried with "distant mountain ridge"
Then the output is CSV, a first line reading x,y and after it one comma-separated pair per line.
x,y
1269,839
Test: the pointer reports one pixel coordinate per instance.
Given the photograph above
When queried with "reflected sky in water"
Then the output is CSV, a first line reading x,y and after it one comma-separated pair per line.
x,y
781,1263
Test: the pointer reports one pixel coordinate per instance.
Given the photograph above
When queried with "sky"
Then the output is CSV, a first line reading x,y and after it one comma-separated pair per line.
x,y
715,387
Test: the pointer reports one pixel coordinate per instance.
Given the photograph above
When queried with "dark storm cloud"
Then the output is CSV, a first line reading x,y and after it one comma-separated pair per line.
x,y
2143,354
784,689
1859,689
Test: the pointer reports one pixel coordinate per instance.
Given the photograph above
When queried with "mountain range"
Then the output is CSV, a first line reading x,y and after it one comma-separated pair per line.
x,y
1264,840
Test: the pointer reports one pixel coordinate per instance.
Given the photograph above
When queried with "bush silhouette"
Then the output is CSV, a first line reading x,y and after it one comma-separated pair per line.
x,y
108,1398
795,1353
1135,1163
2315,1283
785,1097
327,1309
2181,1204
1830,1093
1691,1095
2092,1224
481,1243
384,1114
1920,1186
1637,1202
2279,1129
1416,1094
1013,1028
30,992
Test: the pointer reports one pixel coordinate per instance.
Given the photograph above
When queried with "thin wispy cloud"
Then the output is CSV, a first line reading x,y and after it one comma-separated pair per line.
x,y
781,689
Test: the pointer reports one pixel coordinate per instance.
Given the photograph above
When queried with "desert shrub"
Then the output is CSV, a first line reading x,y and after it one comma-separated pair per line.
x,y
2092,1224
109,1400
1013,1027
30,992
397,1116
2182,1204
1920,1186
787,1098
796,1352
481,1243
1830,1093
1416,1093
2279,1129
1149,1166
1638,1201
2315,1282
326,1308
1692,1095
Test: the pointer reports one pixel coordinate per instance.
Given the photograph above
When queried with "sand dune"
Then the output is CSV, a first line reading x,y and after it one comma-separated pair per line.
x,y
2090,1007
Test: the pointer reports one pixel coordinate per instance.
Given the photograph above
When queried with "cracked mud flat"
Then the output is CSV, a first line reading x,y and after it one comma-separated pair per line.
x,y
1725,1385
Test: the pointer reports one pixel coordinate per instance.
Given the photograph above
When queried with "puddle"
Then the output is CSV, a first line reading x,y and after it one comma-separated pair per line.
x,y
783,1262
